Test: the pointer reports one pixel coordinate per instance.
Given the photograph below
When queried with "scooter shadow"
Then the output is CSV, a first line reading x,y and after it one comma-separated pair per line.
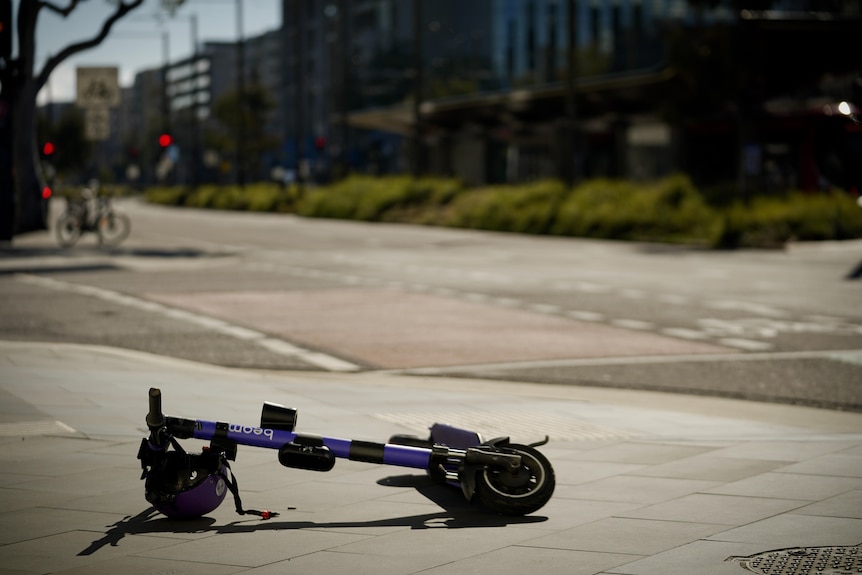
x,y
457,514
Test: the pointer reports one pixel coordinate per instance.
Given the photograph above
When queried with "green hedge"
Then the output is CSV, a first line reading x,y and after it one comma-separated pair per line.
x,y
531,208
261,197
771,221
671,210
396,198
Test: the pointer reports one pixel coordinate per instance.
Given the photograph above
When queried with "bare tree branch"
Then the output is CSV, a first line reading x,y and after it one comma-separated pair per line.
x,y
123,8
62,11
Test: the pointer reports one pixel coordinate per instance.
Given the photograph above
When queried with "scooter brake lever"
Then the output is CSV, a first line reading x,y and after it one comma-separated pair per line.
x,y
540,443
482,458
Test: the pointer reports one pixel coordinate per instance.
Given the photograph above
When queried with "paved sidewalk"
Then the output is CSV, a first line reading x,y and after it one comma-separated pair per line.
x,y
647,483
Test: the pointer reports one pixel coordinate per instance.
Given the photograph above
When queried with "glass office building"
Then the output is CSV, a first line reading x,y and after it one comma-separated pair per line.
x,y
732,92
735,92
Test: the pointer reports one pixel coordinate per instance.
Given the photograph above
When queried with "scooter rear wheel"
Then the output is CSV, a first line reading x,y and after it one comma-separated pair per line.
x,y
519,493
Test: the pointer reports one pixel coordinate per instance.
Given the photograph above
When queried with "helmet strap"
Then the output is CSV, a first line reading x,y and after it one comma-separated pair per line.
x,y
230,481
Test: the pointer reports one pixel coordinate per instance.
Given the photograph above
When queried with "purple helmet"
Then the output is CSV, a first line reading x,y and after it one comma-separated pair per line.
x,y
186,485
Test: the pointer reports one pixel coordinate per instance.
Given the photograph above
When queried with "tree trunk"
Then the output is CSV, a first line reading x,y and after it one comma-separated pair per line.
x,y
7,184
30,207
29,214
7,196
20,86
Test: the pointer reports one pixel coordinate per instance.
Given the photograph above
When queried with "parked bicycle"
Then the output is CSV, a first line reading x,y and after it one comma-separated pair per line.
x,y
92,213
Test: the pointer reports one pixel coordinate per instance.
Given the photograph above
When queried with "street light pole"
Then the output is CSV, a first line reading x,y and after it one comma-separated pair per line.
x,y
569,168
166,106
194,156
240,93
417,89
298,91
343,86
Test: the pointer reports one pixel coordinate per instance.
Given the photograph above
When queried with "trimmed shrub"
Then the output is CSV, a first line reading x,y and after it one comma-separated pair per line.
x,y
773,221
261,197
669,210
171,196
376,199
531,208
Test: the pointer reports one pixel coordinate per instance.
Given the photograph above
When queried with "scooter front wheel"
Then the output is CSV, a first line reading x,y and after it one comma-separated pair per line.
x,y
521,492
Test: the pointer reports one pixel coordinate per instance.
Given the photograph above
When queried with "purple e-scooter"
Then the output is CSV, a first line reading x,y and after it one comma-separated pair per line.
x,y
508,478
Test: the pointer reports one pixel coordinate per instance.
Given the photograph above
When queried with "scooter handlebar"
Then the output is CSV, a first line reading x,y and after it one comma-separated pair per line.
x,y
155,417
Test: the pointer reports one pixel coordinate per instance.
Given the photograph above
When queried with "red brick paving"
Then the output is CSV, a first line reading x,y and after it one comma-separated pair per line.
x,y
393,329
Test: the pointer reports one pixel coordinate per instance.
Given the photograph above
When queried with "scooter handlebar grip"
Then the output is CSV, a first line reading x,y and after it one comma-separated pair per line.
x,y
155,417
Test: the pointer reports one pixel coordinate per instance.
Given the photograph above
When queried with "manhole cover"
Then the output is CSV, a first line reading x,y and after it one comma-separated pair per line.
x,y
804,560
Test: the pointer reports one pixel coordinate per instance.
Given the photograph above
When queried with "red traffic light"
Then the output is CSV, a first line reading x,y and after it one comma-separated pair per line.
x,y
165,140
47,148
320,142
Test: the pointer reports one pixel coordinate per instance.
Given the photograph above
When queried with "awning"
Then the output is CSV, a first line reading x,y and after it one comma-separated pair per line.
x,y
629,93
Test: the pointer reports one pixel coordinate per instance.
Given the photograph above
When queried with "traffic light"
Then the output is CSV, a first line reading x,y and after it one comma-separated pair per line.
x,y
319,143
165,140
48,149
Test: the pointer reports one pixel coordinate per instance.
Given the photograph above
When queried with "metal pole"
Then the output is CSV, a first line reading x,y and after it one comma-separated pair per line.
x,y
240,93
194,156
298,100
166,100
417,89
166,107
342,88
570,132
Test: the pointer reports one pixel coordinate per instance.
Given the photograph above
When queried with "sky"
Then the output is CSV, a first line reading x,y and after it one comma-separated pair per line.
x,y
136,41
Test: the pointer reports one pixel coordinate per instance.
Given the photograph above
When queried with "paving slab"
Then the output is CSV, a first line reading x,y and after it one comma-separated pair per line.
x,y
646,482
708,508
847,504
629,536
701,557
795,530
790,486
712,468
635,489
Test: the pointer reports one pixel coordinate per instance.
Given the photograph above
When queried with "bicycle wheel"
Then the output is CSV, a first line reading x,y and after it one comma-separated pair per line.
x,y
113,228
68,230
